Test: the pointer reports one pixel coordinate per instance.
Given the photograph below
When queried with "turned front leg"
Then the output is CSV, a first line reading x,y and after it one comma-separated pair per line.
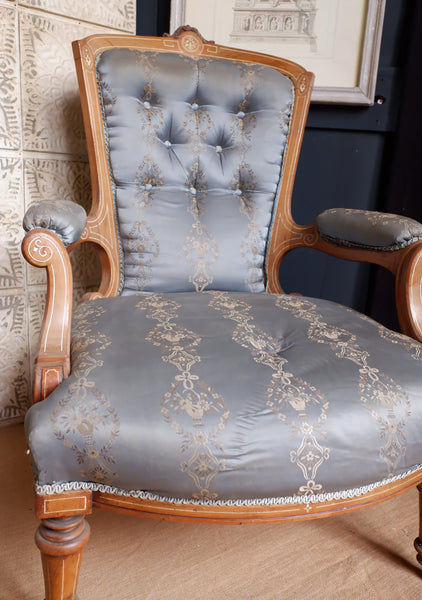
x,y
418,541
61,542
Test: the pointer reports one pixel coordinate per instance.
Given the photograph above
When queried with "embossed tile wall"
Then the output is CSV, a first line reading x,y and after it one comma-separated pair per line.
x,y
42,156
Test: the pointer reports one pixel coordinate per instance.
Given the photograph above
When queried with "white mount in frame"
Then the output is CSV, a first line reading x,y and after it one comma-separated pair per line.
x,y
363,93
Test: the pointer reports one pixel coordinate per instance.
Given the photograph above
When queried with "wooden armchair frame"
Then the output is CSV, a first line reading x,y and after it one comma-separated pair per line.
x,y
63,532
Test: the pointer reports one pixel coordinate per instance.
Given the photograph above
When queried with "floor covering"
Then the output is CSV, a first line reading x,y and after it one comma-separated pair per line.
x,y
365,555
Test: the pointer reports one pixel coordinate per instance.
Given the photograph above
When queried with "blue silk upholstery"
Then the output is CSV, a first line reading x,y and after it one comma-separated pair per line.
x,y
201,389
195,151
220,396
67,219
368,229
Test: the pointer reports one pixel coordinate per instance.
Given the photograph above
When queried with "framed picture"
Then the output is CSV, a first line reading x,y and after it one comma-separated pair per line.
x,y
338,40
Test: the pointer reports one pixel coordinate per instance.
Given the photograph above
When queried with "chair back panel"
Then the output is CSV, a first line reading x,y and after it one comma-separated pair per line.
x,y
195,147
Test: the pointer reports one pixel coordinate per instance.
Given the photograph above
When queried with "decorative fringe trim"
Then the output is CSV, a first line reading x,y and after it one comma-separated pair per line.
x,y
73,486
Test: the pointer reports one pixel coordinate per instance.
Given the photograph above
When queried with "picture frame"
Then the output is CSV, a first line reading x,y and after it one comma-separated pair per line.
x,y
358,39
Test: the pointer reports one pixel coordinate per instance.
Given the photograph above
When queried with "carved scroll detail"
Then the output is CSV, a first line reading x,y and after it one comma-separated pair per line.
x,y
42,248
409,292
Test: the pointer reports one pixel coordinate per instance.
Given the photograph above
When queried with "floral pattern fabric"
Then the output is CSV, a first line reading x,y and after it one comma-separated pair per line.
x,y
219,396
196,148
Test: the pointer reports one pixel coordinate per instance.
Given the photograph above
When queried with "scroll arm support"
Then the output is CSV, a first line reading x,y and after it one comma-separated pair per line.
x,y
409,292
43,248
405,264
418,540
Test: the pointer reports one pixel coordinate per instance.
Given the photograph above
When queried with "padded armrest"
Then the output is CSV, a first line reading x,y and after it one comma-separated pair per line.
x,y
65,218
368,230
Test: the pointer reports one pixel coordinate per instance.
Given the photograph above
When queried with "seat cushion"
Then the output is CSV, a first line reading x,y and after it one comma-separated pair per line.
x,y
229,396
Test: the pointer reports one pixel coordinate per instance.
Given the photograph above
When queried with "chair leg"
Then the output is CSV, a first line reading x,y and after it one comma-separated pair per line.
x,y
61,542
418,541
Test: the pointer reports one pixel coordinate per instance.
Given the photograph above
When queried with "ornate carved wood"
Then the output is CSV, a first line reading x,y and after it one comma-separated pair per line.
x,y
418,541
66,504
405,264
42,248
61,542
79,503
63,532
409,292
188,28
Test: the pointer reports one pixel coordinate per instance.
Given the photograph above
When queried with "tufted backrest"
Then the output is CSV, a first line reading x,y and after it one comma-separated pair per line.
x,y
195,147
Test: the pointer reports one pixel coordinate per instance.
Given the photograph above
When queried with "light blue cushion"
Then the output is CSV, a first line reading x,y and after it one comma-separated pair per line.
x,y
195,149
67,219
368,229
221,396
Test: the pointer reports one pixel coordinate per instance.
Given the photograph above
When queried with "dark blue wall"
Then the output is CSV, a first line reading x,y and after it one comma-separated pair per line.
x,y
152,17
350,158
346,161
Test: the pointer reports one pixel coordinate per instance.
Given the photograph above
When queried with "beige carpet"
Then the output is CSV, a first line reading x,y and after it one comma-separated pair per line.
x,y
363,555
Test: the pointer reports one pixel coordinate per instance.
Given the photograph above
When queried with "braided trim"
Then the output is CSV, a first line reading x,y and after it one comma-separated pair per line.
x,y
73,486
347,244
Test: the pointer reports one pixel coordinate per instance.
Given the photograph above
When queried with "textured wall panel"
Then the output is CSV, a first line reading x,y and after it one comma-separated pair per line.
x,y
52,118
92,268
53,179
11,213
9,82
42,156
118,14
13,356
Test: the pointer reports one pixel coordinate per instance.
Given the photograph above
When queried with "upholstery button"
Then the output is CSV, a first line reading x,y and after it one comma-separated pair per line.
x,y
218,149
238,192
192,191
240,114
195,106
147,105
167,143
148,187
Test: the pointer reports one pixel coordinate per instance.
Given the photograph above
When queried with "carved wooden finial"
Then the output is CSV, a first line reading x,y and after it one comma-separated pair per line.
x,y
188,29
190,38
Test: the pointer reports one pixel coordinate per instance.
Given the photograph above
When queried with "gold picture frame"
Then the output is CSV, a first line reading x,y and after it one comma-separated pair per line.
x,y
346,66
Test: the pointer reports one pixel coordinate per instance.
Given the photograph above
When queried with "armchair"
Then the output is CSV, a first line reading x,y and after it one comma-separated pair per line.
x,y
190,386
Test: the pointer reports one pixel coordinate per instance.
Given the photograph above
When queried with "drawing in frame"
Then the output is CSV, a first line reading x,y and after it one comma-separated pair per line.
x,y
338,40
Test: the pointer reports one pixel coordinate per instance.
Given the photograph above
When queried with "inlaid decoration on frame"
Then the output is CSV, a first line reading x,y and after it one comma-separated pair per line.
x,y
338,40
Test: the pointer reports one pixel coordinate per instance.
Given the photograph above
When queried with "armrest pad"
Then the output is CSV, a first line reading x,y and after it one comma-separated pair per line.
x,y
66,219
368,230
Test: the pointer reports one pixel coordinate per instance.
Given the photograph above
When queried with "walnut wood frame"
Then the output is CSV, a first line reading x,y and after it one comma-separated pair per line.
x,y
63,531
